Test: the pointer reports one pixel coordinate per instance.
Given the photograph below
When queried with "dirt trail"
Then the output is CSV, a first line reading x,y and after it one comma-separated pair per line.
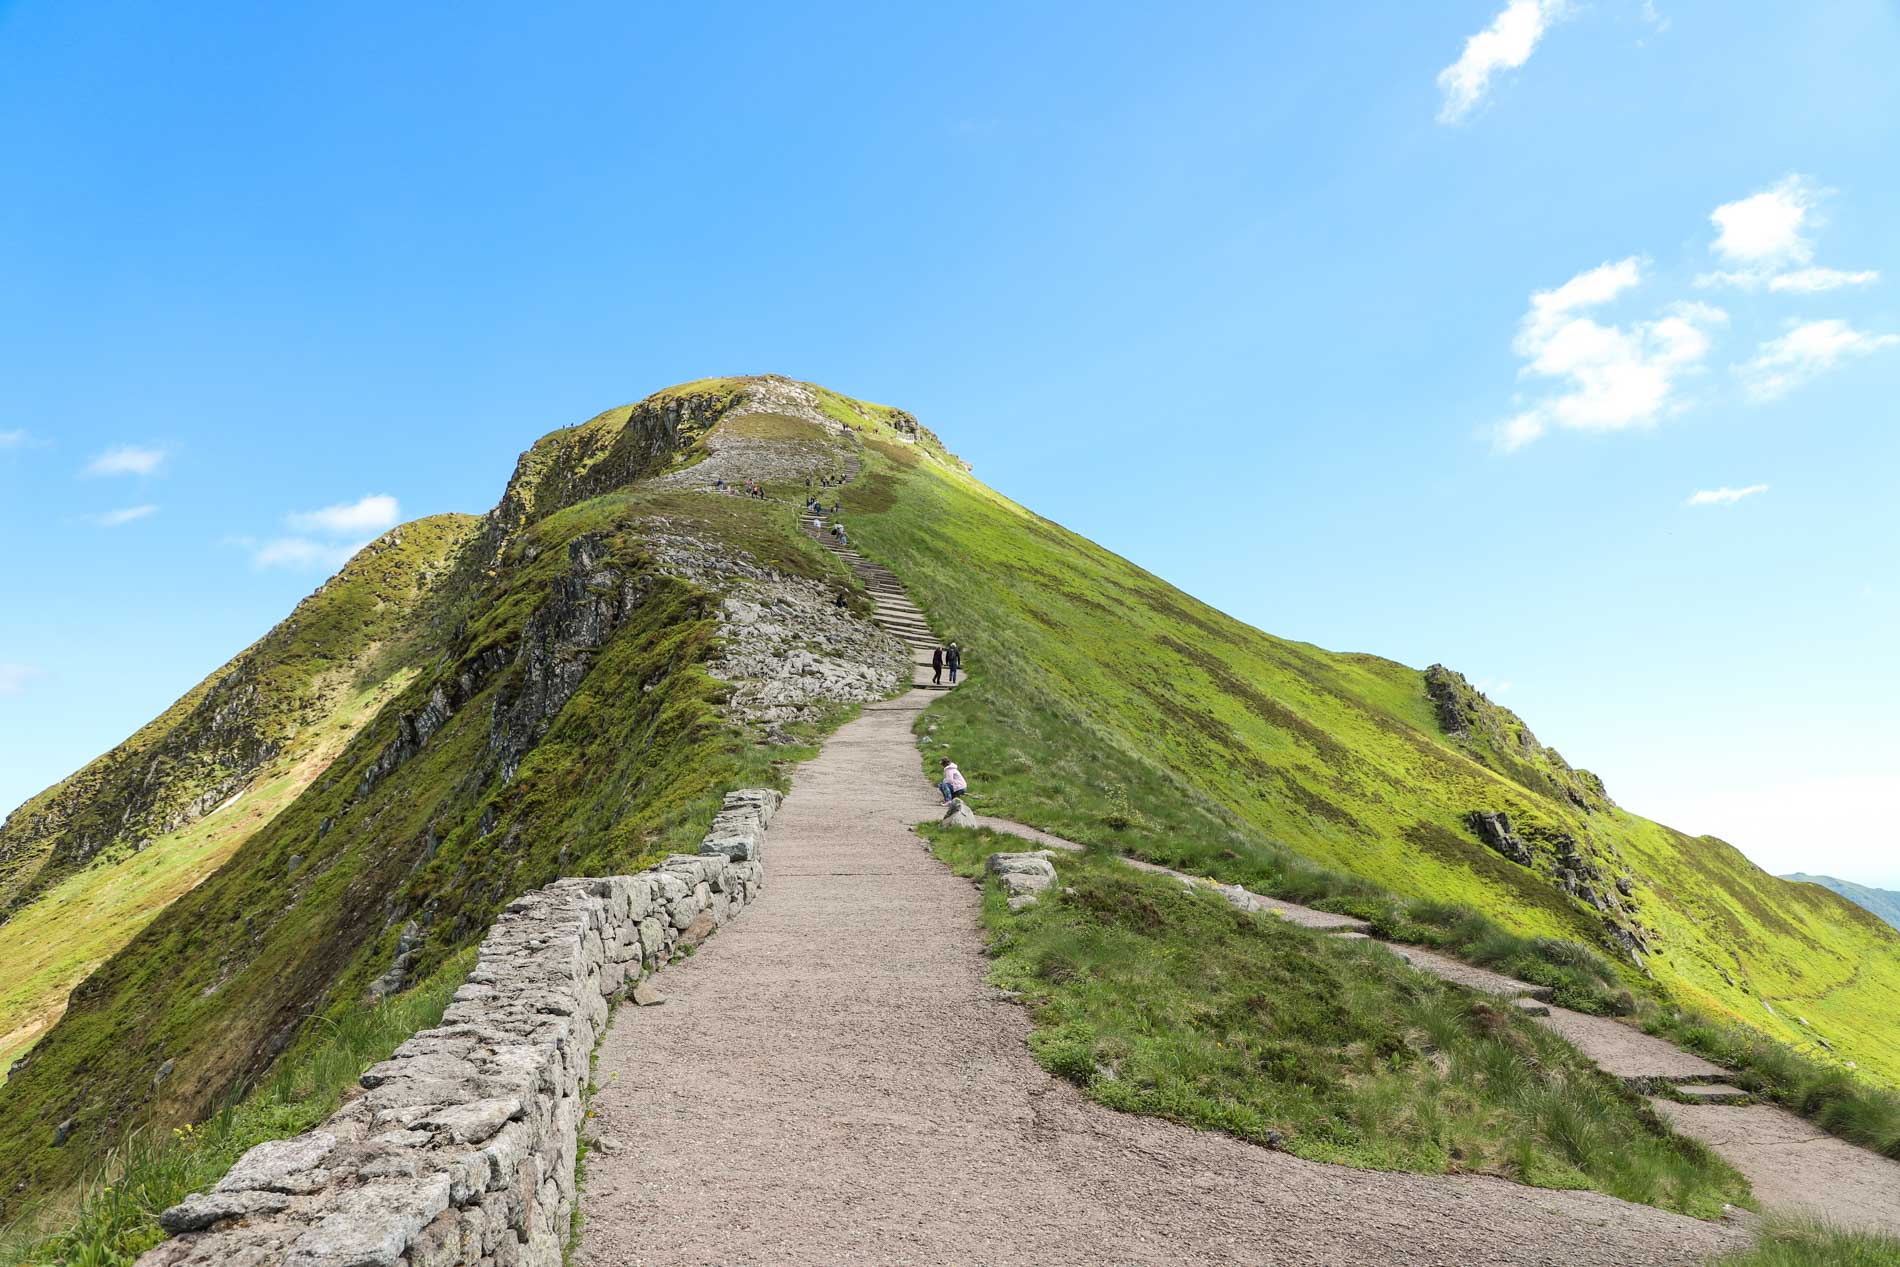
x,y
832,1081
1794,1166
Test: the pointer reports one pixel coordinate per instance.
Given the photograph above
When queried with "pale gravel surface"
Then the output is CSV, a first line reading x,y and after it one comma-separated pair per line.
x,y
832,1081
1626,1051
1794,1165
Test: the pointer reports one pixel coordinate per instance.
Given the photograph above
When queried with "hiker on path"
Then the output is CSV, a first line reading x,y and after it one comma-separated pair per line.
x,y
839,600
953,656
936,667
953,784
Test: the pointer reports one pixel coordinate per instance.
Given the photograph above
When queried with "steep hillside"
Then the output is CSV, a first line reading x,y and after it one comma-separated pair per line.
x,y
1107,706
1882,902
612,647
87,863
574,708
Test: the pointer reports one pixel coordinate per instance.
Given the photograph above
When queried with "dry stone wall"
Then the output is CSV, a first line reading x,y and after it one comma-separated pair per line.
x,y
461,1149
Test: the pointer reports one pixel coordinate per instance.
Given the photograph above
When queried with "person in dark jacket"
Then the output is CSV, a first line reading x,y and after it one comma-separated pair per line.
x,y
953,659
936,667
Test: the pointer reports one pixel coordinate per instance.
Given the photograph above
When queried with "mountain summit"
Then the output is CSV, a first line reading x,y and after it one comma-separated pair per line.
x,y
474,707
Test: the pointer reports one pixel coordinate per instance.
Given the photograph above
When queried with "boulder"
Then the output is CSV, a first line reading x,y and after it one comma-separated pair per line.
x,y
959,815
1023,876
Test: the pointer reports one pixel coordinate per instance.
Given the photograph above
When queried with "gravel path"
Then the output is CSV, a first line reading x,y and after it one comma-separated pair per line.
x,y
1627,1052
1794,1165
832,1081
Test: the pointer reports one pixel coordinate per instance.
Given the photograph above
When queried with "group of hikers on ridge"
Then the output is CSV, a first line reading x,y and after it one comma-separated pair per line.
x,y
950,657
750,488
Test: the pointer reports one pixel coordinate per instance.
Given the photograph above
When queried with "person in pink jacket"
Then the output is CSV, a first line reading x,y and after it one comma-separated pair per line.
x,y
953,784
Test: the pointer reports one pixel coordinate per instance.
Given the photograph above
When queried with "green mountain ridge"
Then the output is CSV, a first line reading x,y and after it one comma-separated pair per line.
x,y
1884,903
554,714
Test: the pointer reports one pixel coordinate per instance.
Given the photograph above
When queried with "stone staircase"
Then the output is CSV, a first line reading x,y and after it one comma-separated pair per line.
x,y
892,609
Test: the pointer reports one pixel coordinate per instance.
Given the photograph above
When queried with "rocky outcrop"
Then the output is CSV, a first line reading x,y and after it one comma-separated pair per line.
x,y
1496,737
789,651
589,601
1494,829
461,1150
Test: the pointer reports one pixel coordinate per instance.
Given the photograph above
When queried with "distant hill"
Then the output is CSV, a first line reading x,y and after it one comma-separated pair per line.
x,y
1882,902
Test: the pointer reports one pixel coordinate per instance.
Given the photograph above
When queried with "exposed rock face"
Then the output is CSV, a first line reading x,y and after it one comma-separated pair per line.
x,y
1498,738
590,600
1494,829
462,1149
789,651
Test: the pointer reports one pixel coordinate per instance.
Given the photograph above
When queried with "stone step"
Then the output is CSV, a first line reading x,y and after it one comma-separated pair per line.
x,y
1531,1007
1712,1092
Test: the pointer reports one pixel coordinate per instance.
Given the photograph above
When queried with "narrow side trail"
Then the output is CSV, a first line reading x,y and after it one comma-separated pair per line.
x,y
833,1081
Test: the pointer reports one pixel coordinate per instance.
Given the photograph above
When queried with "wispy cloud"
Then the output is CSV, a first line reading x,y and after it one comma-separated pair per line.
x,y
14,677
1767,239
1504,45
1806,350
13,439
1609,377
301,552
127,459
114,518
368,514
1724,496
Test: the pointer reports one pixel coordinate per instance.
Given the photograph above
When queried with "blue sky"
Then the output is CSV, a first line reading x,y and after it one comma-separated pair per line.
x,y
1556,342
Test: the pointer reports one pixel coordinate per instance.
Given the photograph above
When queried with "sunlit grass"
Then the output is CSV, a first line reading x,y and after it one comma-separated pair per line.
x,y
1171,1003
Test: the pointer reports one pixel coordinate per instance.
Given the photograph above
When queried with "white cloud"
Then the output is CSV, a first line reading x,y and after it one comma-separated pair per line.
x,y
1767,228
1767,238
1810,280
126,459
1807,281
369,514
301,552
114,518
1723,496
1504,45
1808,349
1611,377
14,677
12,439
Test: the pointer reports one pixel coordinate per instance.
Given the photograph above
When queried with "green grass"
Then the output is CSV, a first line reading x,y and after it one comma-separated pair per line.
x,y
51,944
1112,709
268,709
1168,1002
1786,1242
115,1216
631,768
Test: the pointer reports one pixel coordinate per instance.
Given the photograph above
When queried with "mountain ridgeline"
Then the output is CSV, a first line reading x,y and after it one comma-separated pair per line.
x,y
474,707
1882,902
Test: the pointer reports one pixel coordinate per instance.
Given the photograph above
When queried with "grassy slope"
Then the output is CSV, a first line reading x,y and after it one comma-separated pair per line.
x,y
630,768
1158,1000
50,945
311,683
258,715
1098,690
